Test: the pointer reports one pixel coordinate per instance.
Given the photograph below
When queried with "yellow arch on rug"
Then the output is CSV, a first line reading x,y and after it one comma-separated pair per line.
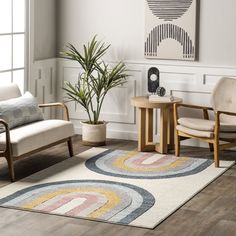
x,y
120,164
113,199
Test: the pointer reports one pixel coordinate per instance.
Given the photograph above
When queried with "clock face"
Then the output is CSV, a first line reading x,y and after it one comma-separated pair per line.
x,y
153,79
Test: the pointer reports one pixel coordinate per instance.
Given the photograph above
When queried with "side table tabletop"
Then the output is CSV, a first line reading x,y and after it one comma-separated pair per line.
x,y
145,124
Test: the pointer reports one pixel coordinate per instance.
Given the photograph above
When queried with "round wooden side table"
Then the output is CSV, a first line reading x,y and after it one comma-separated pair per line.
x,y
145,124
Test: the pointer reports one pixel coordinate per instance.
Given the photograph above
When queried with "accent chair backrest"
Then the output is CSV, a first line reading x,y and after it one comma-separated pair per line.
x,y
224,98
9,91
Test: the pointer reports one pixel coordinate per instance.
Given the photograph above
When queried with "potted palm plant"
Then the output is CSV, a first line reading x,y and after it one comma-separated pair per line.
x,y
96,79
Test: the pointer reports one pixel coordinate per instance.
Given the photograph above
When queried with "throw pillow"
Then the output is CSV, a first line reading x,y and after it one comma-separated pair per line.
x,y
20,111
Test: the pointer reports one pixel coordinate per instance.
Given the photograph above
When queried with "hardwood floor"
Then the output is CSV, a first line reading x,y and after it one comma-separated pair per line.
x,y
211,212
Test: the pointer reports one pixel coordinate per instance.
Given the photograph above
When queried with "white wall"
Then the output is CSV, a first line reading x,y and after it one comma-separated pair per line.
x,y
121,23
44,29
217,34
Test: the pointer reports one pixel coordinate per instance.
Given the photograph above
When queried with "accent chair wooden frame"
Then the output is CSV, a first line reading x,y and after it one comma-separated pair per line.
x,y
214,142
7,153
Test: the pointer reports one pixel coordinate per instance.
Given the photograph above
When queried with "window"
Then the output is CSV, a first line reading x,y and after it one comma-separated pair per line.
x,y
12,42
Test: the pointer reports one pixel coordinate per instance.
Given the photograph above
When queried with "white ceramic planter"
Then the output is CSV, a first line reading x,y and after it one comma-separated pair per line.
x,y
94,135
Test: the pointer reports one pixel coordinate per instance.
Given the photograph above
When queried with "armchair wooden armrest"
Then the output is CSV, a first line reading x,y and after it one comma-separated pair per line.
x,y
58,104
192,106
8,140
204,108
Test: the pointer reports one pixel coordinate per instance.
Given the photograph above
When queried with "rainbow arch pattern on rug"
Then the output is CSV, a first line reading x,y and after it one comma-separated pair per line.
x,y
93,199
144,165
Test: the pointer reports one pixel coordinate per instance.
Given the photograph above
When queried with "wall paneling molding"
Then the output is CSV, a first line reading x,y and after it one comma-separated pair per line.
x,y
42,83
193,83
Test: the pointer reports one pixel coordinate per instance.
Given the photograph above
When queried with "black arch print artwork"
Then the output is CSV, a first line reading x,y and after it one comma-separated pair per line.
x,y
169,10
170,29
165,31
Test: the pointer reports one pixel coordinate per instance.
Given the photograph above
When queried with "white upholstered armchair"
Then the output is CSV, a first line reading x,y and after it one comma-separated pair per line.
x,y
23,130
222,128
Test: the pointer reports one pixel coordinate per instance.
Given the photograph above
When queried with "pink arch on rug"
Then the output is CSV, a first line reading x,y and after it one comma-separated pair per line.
x,y
90,200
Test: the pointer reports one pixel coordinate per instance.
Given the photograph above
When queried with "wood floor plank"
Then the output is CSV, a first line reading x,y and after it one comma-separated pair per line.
x,y
223,227
211,212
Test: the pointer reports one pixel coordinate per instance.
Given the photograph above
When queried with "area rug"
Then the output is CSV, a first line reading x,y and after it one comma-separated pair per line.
x,y
116,186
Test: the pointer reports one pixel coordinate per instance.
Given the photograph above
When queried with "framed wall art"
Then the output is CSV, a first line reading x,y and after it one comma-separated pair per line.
x,y
170,29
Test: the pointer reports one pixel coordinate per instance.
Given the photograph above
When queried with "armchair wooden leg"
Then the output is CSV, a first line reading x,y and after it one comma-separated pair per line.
x,y
177,144
216,153
211,147
11,168
70,147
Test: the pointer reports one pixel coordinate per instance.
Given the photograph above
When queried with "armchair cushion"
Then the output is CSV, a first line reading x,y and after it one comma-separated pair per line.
x,y
224,98
205,125
205,134
197,124
227,135
194,132
19,111
36,135
9,91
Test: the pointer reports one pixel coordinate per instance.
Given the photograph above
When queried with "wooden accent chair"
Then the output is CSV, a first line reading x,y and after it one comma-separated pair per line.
x,y
33,137
222,128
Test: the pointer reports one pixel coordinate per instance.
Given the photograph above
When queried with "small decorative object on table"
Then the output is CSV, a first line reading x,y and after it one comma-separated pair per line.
x,y
156,98
161,91
160,96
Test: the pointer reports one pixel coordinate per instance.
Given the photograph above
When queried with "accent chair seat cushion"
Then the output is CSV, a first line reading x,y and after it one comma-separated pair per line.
x,y
205,134
36,135
205,125
194,132
197,124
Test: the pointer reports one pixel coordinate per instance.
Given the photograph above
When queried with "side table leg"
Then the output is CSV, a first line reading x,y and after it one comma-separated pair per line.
x,y
163,130
171,128
149,126
141,129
